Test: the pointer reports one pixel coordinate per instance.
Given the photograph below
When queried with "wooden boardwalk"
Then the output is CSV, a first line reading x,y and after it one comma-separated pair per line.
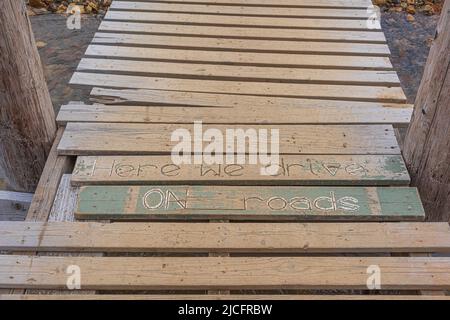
x,y
112,202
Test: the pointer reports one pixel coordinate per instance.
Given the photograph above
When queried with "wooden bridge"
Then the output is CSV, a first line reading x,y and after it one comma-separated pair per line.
x,y
112,202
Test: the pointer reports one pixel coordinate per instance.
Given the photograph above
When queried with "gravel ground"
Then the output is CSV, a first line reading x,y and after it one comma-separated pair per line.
x,y
62,52
409,44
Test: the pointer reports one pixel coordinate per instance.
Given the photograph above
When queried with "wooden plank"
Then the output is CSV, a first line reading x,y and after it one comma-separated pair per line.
x,y
65,201
45,193
62,213
301,90
245,32
294,170
297,12
237,21
242,58
55,167
14,205
242,73
248,203
215,273
247,45
155,139
226,237
247,102
291,114
222,297
354,4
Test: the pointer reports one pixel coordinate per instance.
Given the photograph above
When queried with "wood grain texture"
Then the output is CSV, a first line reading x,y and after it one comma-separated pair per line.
x,y
286,60
293,170
14,205
62,213
248,21
46,190
249,203
298,12
226,237
155,139
241,73
111,273
27,119
145,97
353,4
65,201
299,90
244,45
311,112
245,32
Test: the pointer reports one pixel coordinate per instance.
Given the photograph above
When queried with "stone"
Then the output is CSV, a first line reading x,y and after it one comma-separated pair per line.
x,y
410,18
411,10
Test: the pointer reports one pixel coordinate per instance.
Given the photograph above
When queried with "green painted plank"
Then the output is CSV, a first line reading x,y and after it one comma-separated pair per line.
x,y
247,203
293,170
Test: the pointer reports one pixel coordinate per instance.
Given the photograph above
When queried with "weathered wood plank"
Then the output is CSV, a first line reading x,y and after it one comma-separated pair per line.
x,y
14,205
247,45
152,273
155,139
244,203
46,190
297,12
242,58
65,201
300,90
222,297
310,113
62,212
293,170
245,32
248,21
242,73
353,4
247,102
226,237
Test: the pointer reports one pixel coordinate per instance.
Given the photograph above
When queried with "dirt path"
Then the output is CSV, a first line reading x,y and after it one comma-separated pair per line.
x,y
62,52
409,44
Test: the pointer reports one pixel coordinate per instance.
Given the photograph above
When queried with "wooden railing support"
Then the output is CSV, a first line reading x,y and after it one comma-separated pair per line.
x,y
427,142
27,119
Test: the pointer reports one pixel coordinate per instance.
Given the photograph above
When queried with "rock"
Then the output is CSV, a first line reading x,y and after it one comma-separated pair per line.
x,y
411,10
30,12
380,3
37,4
410,18
61,9
40,44
428,9
39,10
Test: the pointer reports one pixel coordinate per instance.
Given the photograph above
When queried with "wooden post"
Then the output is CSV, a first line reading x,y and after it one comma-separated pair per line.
x,y
27,119
427,141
